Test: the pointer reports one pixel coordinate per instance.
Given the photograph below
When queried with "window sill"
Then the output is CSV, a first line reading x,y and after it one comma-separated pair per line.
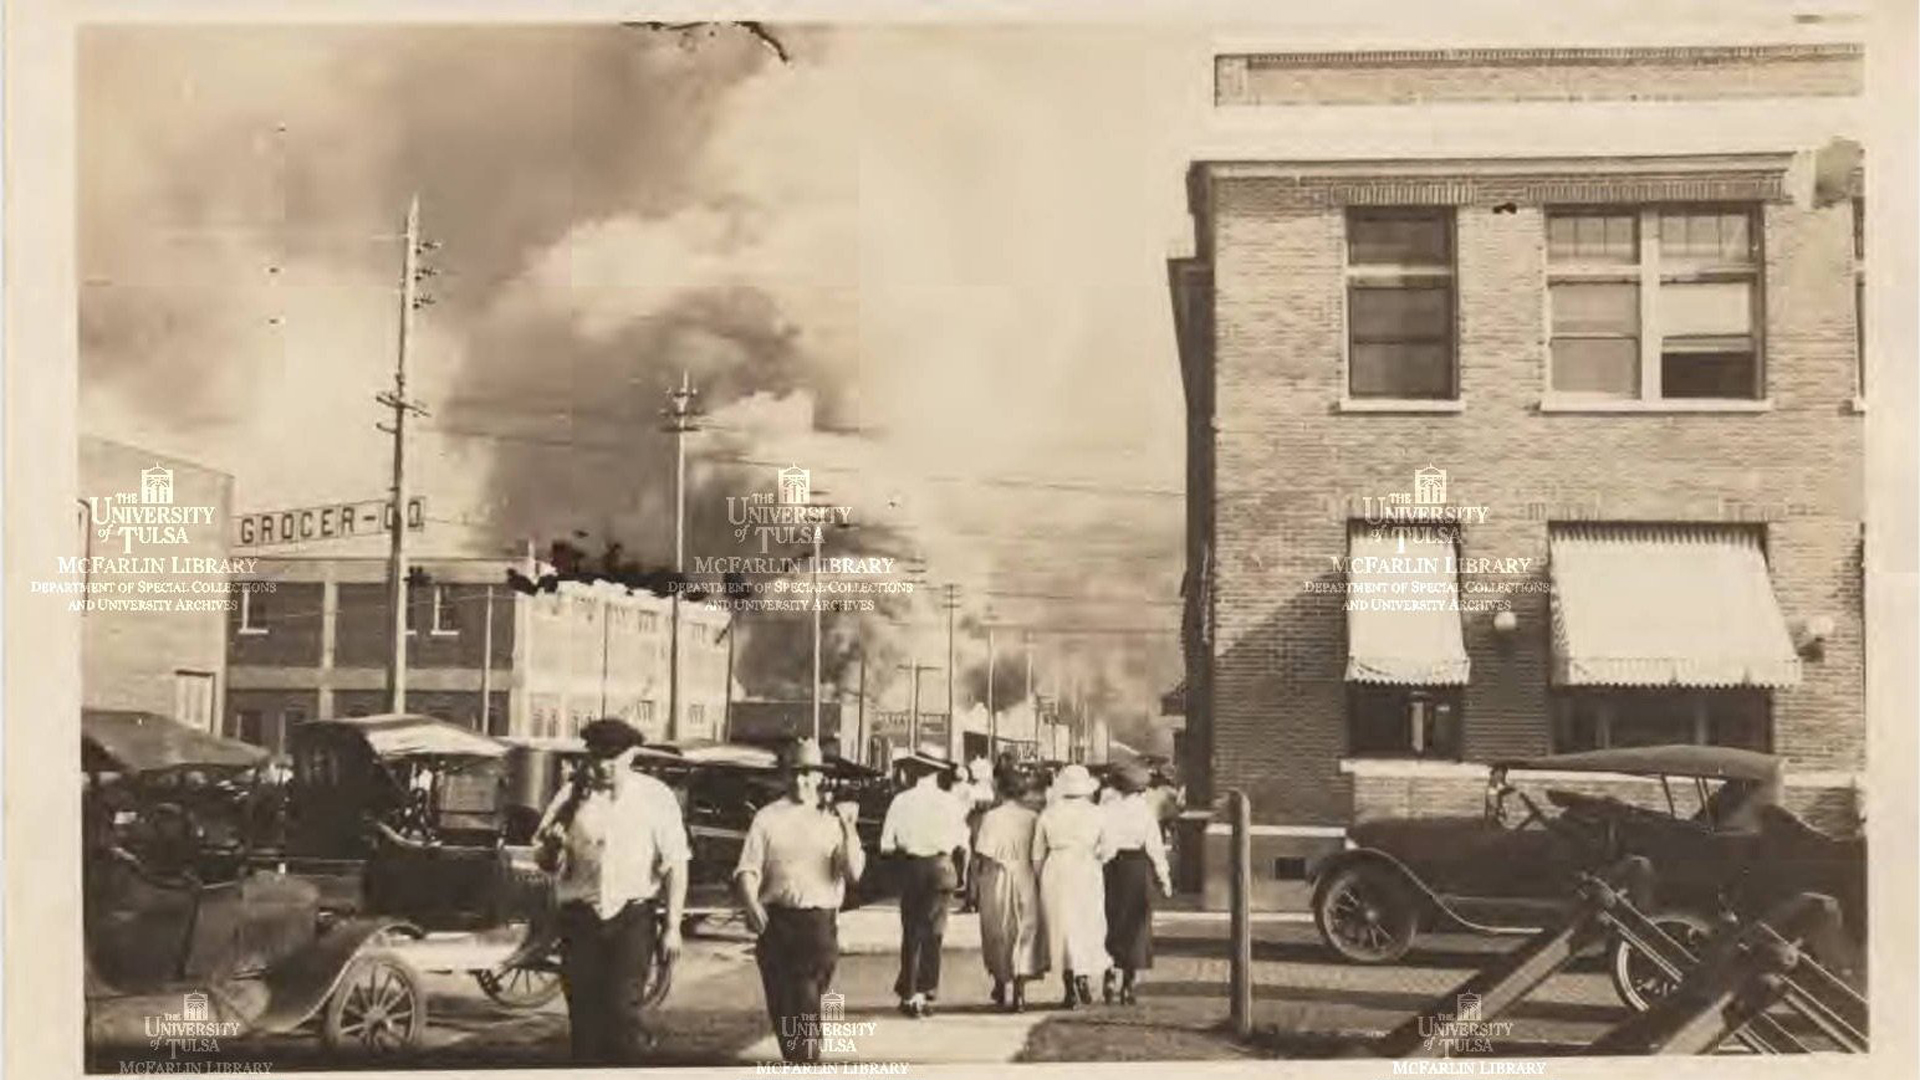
x,y
443,633
252,631
1400,405
1671,405
1411,767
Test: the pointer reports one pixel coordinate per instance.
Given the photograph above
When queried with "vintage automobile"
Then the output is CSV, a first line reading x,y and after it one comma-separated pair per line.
x,y
1720,847
186,942
405,816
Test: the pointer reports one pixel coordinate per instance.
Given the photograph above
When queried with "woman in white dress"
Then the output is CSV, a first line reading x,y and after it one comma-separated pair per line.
x,y
1010,937
1070,845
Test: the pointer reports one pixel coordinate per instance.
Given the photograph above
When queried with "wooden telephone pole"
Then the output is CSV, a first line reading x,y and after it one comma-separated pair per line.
x,y
411,274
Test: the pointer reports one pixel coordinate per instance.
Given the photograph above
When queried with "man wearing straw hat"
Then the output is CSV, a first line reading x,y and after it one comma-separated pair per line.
x,y
617,847
792,876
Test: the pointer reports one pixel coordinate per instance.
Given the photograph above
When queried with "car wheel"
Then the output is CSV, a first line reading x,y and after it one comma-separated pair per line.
x,y
378,1008
522,987
1640,982
1366,914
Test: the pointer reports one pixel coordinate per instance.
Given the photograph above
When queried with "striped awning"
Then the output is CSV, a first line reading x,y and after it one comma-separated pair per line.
x,y
1403,601
1666,605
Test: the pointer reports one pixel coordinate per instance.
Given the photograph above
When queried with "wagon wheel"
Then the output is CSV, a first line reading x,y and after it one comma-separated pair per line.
x,y
529,986
1640,982
378,1008
1365,915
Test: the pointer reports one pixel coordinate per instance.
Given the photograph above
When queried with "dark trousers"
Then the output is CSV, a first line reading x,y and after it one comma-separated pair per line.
x,y
604,964
925,887
797,953
1130,886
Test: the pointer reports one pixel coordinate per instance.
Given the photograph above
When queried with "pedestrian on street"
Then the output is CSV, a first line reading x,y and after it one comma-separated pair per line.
x,y
1011,941
614,840
795,866
1070,845
1139,864
977,796
926,830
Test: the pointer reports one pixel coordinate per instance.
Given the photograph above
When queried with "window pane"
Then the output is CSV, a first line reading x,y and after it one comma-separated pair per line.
x,y
1400,314
1400,239
1714,307
1591,238
1609,366
1706,237
1708,374
1401,370
1612,308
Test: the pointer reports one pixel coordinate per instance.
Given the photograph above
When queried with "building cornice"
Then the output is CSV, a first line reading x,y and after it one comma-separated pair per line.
x,y
1532,182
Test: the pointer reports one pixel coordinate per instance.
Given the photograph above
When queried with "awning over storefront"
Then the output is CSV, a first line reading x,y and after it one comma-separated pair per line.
x,y
1666,605
1403,600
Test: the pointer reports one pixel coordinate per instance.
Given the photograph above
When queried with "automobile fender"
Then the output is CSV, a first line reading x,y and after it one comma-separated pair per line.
x,y
1436,910
298,986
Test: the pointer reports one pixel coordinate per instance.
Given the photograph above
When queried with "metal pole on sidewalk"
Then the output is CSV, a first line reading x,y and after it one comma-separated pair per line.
x,y
1241,985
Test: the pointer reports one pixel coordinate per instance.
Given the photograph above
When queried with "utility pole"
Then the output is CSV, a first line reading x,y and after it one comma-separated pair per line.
x,y
860,708
679,413
815,590
954,742
411,275
1033,705
993,722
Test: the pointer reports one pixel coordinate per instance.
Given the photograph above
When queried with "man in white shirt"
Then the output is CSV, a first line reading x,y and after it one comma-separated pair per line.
x,y
795,866
927,829
622,856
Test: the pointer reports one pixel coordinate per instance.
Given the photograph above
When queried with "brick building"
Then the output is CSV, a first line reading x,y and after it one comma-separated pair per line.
x,y
1565,339
312,639
172,663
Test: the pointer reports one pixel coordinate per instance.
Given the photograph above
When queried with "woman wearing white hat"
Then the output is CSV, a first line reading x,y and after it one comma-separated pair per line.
x,y
1070,844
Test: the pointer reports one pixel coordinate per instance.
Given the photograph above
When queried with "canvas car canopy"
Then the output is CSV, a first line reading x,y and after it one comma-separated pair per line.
x,y
1665,605
1403,607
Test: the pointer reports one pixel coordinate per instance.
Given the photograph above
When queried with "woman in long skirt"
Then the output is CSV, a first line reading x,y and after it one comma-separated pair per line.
x,y
1069,846
1009,895
1139,864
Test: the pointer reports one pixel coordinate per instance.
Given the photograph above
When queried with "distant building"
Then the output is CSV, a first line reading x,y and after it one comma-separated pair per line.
x,y
170,662
311,639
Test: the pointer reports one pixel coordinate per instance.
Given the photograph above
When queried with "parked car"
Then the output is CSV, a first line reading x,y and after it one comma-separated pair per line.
x,y
174,913
1721,847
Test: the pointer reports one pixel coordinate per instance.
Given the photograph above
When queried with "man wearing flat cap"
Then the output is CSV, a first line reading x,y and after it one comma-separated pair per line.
x,y
795,866
622,863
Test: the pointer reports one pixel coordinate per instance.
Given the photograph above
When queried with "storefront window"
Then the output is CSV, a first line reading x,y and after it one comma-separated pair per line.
x,y
1403,721
1597,719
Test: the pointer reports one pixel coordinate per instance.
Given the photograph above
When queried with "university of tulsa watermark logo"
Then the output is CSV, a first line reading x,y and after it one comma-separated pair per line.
x,y
1464,1032
193,1029
834,1033
146,516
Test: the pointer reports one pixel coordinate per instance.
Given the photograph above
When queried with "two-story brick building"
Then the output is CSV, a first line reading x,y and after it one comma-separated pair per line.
x,y
1525,400
311,638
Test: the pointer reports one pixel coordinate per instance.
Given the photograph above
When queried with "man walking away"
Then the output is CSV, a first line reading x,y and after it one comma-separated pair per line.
x,y
615,842
926,829
792,876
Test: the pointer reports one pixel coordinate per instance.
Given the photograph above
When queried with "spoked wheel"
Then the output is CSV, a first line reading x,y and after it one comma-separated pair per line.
x,y
527,987
378,1008
1365,915
1636,978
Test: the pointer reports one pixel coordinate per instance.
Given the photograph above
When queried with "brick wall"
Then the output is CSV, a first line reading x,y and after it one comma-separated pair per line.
x,y
1290,462
1537,74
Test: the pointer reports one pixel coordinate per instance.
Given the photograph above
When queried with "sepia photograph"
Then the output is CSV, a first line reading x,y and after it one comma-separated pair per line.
x,y
848,546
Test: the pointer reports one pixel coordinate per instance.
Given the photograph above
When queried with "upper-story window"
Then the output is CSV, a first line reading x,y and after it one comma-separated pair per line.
x,y
443,622
1400,304
1652,304
255,607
